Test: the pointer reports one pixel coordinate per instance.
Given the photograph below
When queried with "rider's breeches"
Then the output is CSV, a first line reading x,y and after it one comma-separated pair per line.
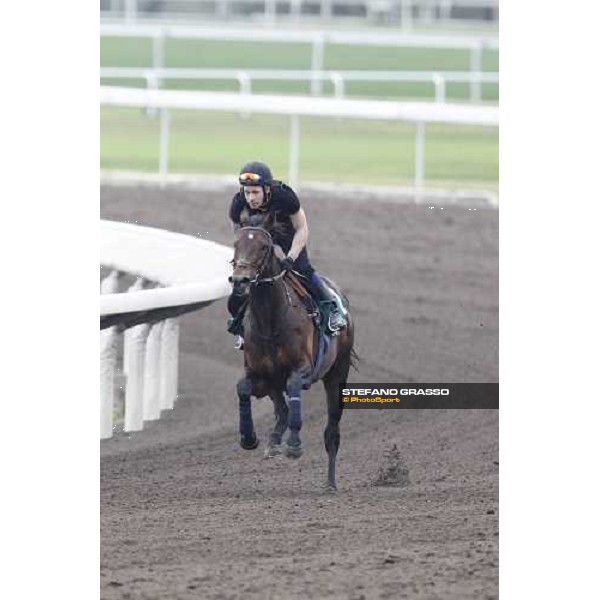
x,y
234,303
302,265
318,285
315,283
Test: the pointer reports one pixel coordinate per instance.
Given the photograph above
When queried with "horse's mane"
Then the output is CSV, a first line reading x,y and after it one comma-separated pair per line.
x,y
255,220
258,220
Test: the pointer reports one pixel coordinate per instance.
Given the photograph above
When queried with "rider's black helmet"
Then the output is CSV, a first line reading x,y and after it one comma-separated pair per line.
x,y
255,173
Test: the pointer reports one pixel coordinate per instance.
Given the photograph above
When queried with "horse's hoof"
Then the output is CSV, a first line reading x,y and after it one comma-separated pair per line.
x,y
331,488
272,451
249,444
293,451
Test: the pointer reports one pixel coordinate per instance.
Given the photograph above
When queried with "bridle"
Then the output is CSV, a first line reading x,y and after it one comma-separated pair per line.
x,y
258,280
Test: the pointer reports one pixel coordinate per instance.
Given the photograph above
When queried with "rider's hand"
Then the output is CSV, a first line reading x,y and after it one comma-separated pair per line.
x,y
287,264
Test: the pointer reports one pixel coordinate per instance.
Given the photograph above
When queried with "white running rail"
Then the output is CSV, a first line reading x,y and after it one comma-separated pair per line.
x,y
195,272
244,77
419,113
318,39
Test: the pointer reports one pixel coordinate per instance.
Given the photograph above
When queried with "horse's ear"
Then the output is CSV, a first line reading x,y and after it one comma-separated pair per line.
x,y
244,217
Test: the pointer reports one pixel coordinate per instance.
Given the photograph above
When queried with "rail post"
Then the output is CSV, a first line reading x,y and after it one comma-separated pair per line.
x,y
270,11
475,69
316,66
440,87
158,50
338,84
151,374
169,358
165,120
108,363
406,18
134,349
245,88
419,160
130,11
294,150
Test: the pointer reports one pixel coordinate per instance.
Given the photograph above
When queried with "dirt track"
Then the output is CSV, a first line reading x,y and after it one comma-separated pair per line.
x,y
186,513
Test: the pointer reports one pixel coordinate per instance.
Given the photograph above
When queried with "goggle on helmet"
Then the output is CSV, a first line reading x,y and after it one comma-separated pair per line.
x,y
255,173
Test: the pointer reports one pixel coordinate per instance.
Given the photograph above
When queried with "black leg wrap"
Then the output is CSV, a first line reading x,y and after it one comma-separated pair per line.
x,y
294,389
244,389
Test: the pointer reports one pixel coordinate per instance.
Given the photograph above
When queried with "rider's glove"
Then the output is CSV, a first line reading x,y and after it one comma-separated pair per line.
x,y
287,264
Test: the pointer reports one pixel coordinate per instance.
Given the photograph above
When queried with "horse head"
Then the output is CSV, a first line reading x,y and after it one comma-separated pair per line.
x,y
253,251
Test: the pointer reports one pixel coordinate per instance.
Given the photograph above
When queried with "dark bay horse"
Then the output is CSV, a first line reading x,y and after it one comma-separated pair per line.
x,y
280,348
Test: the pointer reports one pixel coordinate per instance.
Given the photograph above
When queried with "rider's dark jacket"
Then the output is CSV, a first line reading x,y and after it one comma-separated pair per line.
x,y
283,203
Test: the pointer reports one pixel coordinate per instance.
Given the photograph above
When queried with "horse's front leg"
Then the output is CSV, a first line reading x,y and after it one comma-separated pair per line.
x,y
293,446
281,423
248,439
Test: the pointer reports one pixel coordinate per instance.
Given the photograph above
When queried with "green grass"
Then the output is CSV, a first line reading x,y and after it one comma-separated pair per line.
x,y
351,151
137,52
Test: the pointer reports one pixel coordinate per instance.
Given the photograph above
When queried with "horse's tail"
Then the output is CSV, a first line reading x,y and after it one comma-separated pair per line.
x,y
354,359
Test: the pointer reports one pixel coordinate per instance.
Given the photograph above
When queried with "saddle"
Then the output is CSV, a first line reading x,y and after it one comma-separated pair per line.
x,y
319,312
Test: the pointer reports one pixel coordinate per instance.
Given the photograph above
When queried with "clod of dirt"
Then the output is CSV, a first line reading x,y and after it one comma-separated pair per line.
x,y
393,470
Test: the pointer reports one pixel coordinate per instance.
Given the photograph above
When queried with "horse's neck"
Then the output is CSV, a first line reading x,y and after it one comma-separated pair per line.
x,y
267,305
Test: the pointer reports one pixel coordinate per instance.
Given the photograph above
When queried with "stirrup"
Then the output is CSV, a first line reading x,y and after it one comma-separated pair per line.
x,y
336,321
238,343
234,326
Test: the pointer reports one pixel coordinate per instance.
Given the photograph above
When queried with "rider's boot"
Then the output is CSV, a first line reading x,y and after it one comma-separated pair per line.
x,y
337,316
238,343
235,323
236,327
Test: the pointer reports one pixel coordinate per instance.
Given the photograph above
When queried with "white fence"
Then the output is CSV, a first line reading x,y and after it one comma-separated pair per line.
x,y
419,113
318,39
141,354
245,77
406,12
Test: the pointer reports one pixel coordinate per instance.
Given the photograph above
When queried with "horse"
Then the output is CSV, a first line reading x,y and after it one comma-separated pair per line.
x,y
281,344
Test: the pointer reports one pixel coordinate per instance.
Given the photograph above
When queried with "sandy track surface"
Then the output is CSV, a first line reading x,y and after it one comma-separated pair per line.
x,y
186,513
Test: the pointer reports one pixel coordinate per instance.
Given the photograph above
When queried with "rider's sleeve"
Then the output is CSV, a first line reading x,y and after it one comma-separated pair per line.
x,y
235,210
288,202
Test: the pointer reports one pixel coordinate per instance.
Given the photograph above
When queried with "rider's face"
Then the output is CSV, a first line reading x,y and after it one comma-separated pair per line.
x,y
255,195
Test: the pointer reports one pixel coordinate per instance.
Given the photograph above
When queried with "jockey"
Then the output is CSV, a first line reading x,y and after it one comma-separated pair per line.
x,y
260,193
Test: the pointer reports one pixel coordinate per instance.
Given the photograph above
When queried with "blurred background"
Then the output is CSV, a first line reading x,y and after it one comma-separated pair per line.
x,y
442,52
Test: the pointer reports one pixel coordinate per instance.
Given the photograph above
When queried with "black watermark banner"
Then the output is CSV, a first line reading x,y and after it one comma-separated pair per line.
x,y
419,395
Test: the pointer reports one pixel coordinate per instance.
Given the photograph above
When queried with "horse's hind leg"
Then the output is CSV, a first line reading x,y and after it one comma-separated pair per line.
x,y
338,374
281,424
248,439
